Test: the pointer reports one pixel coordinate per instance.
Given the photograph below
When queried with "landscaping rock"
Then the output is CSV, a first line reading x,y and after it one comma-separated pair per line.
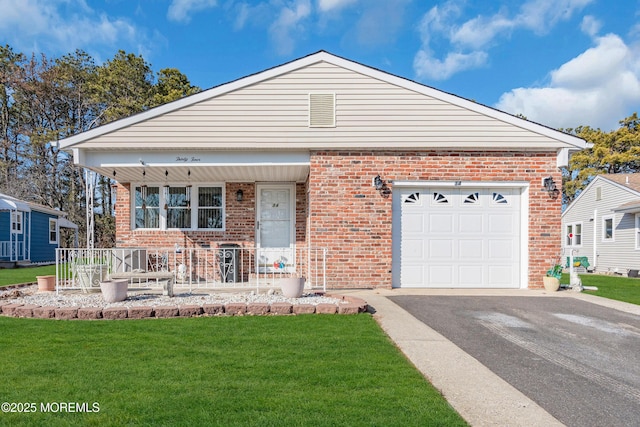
x,y
46,312
213,309
8,309
326,309
235,308
189,310
349,308
259,308
24,310
141,312
113,313
89,313
66,313
166,311
281,308
304,309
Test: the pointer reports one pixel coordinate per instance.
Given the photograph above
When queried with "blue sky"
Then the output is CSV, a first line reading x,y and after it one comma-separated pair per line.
x,y
563,63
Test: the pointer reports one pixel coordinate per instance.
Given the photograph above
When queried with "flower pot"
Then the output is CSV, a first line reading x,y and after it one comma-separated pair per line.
x,y
46,283
551,284
114,290
292,287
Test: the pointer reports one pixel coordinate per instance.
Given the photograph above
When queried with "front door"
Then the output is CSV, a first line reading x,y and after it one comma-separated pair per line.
x,y
275,228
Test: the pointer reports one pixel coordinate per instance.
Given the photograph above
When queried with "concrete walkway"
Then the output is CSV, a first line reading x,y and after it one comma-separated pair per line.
x,y
480,396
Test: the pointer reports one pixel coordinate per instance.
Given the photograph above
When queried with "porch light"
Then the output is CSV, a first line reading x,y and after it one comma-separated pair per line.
x,y
239,195
378,183
381,186
549,185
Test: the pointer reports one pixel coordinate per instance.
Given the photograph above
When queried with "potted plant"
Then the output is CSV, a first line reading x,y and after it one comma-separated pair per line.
x,y
292,287
46,283
114,290
552,278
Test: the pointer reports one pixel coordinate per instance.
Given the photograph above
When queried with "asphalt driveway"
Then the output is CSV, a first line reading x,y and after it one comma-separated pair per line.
x,y
579,361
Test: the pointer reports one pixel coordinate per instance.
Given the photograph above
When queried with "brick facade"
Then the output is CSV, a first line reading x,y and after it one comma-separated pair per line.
x,y
348,216
239,222
338,208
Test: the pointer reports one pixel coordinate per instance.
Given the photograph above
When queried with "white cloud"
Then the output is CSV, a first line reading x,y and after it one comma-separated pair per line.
x,y
181,10
590,26
596,88
468,41
32,25
289,24
432,68
328,5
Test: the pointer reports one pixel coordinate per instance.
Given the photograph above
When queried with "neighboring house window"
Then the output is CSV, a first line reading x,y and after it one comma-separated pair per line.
x,y
183,207
607,228
16,222
598,193
575,229
147,207
53,231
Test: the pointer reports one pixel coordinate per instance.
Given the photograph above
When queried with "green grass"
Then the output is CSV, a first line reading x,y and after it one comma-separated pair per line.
x,y
613,287
265,370
14,276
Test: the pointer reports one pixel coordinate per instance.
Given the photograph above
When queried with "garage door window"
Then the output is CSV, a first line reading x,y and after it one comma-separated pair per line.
x,y
440,199
499,199
412,198
472,198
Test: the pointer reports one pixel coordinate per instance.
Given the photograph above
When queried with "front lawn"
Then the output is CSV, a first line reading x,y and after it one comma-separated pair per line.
x,y
614,287
15,276
263,370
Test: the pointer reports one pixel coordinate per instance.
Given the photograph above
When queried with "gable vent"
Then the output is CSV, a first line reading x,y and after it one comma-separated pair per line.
x,y
322,110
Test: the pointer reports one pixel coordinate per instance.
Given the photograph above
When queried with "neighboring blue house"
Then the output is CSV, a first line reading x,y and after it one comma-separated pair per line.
x,y
29,233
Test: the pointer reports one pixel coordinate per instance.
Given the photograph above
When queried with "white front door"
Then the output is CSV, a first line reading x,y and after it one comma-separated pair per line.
x,y
275,228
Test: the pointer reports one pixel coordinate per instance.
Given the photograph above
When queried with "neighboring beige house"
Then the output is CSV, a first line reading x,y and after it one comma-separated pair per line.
x,y
603,224
403,185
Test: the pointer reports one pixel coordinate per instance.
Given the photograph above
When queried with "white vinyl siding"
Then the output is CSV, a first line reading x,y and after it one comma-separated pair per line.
x,y
637,231
618,252
370,113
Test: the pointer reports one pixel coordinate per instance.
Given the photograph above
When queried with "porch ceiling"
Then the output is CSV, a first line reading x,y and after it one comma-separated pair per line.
x,y
197,166
210,173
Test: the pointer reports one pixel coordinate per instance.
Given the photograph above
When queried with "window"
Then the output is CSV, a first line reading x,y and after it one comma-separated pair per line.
x,y
16,222
607,228
178,206
210,207
575,229
147,207
182,207
53,231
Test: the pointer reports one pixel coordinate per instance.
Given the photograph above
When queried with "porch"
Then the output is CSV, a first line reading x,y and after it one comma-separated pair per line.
x,y
225,266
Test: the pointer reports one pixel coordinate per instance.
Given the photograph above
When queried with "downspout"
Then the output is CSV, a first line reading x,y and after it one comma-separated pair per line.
x,y
595,239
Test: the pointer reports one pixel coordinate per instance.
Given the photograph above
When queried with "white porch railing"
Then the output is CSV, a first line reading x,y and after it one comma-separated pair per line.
x,y
193,268
12,250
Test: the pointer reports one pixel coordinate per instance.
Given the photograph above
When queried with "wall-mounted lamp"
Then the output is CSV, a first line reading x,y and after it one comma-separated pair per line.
x,y
239,195
549,185
381,186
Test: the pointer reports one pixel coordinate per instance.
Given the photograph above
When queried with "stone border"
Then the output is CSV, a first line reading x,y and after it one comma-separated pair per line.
x,y
349,305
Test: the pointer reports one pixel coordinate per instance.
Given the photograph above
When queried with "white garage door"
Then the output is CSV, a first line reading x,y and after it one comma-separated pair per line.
x,y
458,237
